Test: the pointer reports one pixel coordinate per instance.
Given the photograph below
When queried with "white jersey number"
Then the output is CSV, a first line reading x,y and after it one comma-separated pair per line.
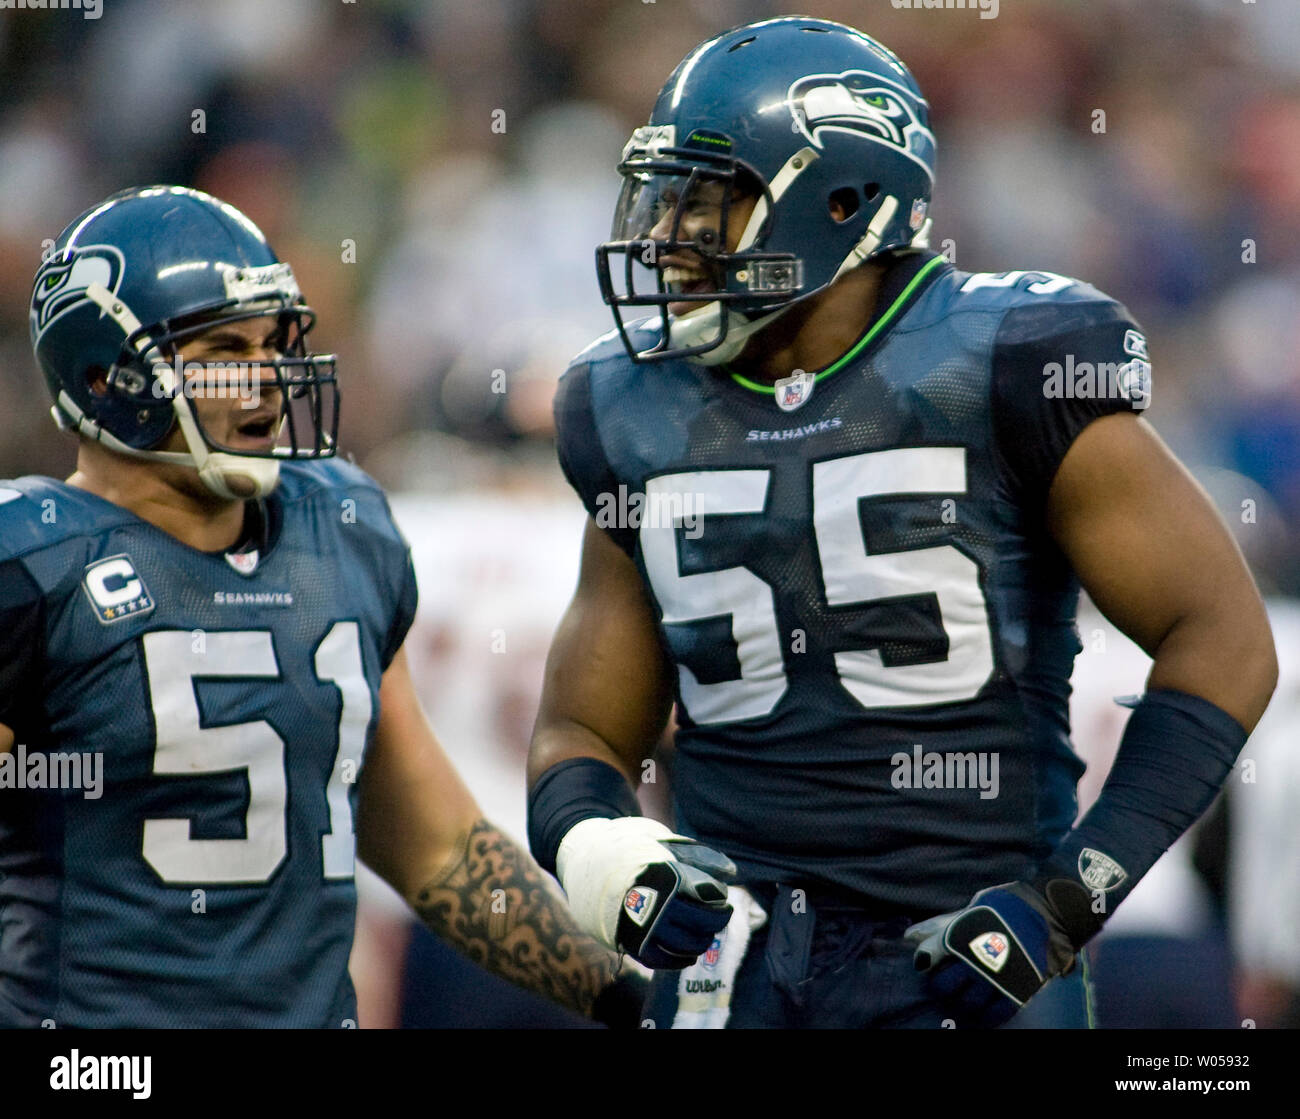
x,y
851,575
1044,283
174,660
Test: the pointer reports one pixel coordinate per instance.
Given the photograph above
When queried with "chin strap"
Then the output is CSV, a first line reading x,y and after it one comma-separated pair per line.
x,y
870,241
698,327
239,478
234,477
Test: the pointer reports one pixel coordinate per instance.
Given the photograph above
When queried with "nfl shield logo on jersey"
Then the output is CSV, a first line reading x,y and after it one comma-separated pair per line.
x,y
1099,871
793,391
639,903
714,953
243,562
990,949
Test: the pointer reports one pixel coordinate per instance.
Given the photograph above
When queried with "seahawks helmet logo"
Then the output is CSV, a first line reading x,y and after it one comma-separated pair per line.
x,y
62,281
861,103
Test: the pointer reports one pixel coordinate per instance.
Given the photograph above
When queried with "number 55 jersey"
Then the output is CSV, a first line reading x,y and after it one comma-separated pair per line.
x,y
176,816
872,630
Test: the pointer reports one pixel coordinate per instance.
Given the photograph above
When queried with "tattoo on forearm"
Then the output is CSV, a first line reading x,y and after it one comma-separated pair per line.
x,y
492,904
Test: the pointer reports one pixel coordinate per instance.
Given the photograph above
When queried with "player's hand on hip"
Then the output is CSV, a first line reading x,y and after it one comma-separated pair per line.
x,y
984,962
640,889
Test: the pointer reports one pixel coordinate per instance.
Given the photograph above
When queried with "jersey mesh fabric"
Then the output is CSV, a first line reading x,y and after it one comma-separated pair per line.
x,y
94,929
809,790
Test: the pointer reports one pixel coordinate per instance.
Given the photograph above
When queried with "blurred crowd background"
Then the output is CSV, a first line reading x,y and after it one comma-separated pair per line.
x,y
439,171
466,149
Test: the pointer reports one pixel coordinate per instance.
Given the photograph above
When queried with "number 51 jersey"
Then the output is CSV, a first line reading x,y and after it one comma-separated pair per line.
x,y
872,630
176,839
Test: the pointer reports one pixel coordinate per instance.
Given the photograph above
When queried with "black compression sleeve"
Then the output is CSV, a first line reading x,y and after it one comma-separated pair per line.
x,y
574,790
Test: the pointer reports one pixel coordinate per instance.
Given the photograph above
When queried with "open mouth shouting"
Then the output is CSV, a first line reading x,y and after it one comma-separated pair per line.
x,y
257,433
684,279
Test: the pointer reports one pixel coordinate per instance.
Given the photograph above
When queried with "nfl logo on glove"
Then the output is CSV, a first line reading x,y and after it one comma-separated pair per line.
x,y
990,947
639,902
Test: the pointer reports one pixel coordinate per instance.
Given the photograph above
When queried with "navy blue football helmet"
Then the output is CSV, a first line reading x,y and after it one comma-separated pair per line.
x,y
126,284
822,125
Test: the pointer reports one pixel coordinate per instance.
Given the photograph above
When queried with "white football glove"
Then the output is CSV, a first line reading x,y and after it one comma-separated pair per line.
x,y
638,888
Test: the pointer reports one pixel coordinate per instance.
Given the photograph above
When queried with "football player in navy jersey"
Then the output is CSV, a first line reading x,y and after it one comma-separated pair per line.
x,y
205,710
843,497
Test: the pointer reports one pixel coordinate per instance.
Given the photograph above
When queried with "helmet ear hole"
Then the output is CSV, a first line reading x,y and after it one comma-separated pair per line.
x,y
843,203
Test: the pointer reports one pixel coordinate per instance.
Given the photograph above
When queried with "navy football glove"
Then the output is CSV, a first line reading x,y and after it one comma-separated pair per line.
x,y
640,889
675,909
986,961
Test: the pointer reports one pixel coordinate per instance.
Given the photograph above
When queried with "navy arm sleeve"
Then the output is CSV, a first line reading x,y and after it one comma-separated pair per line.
x,y
1056,368
582,457
22,637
